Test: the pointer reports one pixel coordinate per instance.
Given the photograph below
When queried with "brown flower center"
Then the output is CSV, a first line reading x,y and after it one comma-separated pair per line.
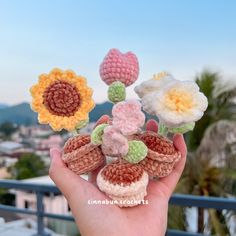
x,y
61,98
126,173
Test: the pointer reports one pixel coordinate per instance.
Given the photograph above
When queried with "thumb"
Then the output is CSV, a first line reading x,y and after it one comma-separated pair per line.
x,y
62,175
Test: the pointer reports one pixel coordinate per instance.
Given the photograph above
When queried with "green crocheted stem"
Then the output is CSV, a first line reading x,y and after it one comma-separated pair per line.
x,y
162,130
182,129
116,92
137,151
81,125
96,136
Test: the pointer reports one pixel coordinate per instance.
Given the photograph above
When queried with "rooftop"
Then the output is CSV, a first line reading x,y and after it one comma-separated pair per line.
x,y
9,145
45,180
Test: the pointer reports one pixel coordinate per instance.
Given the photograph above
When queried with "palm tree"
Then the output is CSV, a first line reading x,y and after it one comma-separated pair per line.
x,y
207,169
221,105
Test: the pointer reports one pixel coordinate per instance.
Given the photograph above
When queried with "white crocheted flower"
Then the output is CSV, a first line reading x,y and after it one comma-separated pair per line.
x,y
154,84
177,103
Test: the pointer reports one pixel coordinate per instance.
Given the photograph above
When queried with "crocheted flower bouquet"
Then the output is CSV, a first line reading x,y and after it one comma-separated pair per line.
x,y
63,100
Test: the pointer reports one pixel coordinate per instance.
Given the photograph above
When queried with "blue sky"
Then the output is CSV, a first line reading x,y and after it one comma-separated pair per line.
x,y
182,37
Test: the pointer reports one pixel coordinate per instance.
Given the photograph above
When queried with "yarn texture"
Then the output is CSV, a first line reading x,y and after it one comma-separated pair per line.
x,y
117,66
116,92
96,136
118,143
128,117
137,151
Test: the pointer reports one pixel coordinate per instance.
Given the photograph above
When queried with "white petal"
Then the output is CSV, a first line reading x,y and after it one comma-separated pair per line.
x,y
152,85
171,119
148,104
200,101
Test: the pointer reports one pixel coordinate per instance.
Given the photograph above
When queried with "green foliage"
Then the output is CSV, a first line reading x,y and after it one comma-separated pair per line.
x,y
176,218
28,166
220,105
7,128
6,198
200,176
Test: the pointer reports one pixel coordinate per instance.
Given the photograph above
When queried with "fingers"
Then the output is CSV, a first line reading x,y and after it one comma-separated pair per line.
x,y
152,125
103,119
179,143
167,184
65,179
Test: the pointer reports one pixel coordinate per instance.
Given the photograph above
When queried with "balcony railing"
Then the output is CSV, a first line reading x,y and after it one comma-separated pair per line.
x,y
39,190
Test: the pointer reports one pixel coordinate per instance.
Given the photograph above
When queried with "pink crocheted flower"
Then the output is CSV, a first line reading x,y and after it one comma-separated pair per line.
x,y
114,143
128,117
117,66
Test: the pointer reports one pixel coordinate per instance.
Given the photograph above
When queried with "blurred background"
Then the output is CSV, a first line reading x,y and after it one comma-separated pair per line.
x,y
193,40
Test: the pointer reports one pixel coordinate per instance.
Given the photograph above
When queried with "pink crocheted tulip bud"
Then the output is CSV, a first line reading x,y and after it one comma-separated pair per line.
x,y
114,143
117,66
128,117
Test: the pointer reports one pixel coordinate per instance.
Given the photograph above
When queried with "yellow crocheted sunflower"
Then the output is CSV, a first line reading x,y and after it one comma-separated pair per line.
x,y
62,99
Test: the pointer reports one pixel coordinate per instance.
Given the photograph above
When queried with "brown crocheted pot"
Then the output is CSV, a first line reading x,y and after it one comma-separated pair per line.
x,y
162,154
81,156
123,182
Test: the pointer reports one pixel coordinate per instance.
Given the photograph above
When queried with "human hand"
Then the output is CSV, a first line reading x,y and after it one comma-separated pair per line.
x,y
145,219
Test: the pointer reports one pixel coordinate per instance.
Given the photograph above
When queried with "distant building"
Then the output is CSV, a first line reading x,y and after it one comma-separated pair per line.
x,y
4,173
43,146
53,203
13,149
35,131
9,147
7,161
52,141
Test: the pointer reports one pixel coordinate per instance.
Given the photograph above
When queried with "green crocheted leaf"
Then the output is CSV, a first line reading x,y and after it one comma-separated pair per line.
x,y
137,151
96,136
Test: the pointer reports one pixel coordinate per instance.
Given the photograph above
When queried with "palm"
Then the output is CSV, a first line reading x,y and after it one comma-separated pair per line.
x,y
99,219
221,105
155,213
200,176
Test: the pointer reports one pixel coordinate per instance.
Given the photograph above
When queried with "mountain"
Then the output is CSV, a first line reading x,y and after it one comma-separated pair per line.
x,y
18,114
99,110
22,114
3,105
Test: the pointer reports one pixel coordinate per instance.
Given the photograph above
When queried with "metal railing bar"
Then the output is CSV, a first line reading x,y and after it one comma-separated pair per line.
x,y
218,203
28,186
32,212
177,199
17,210
172,232
39,214
59,217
